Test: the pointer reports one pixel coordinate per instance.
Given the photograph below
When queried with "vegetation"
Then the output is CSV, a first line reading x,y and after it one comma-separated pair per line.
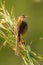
x,y
7,23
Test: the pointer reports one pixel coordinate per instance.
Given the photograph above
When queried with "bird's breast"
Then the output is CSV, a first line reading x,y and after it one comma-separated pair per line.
x,y
23,27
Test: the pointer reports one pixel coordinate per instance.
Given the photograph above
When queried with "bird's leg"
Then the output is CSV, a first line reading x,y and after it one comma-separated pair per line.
x,y
22,40
17,44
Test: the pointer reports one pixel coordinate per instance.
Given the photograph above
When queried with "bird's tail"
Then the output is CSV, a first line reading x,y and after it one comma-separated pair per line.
x,y
17,44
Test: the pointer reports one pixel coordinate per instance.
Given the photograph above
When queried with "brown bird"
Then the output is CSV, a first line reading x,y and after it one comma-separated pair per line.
x,y
20,29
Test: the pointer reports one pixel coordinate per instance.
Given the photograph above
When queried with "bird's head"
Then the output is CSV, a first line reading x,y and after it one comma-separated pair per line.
x,y
22,18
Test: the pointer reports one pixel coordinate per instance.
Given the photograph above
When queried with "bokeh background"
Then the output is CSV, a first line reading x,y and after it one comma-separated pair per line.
x,y
34,10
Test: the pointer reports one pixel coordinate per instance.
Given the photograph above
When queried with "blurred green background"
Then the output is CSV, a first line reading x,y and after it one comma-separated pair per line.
x,y
34,10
